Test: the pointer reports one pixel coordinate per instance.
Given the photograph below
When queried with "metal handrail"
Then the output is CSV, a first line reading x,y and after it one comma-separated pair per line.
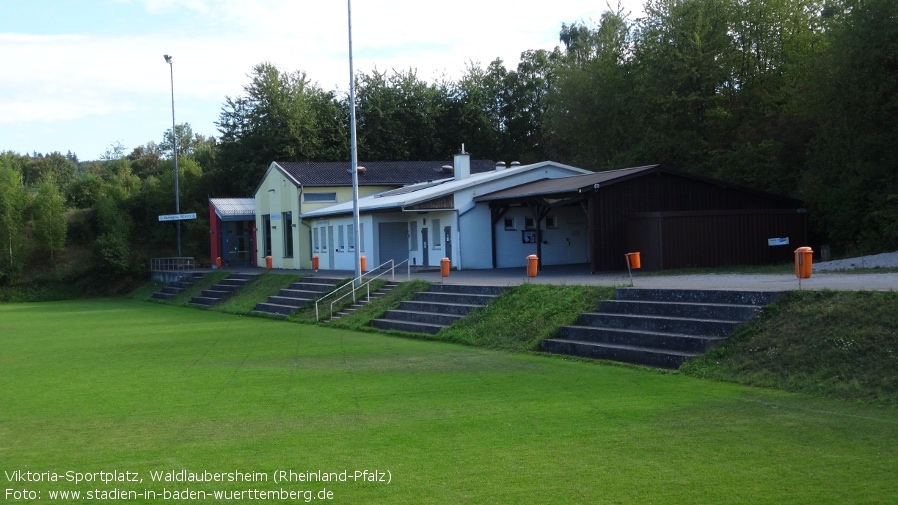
x,y
367,284
175,264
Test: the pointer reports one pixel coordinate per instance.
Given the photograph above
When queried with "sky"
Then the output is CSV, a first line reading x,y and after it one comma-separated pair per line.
x,y
83,75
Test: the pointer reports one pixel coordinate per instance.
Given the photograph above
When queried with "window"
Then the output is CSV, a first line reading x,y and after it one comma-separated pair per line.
x,y
288,234
319,197
341,244
362,237
509,223
529,223
413,236
315,245
551,222
351,232
437,233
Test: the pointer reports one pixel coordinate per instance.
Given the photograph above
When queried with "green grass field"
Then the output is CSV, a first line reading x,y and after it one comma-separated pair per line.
x,y
129,386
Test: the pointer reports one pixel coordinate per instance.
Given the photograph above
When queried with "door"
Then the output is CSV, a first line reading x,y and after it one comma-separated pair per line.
x,y
330,247
447,239
392,242
425,248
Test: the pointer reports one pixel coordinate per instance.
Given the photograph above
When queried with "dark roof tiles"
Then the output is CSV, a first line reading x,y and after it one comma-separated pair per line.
x,y
377,173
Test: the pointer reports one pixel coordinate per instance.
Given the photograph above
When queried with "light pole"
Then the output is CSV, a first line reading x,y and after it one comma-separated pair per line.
x,y
355,160
174,139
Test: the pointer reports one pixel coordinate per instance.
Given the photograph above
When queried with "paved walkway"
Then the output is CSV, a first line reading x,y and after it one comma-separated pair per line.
x,y
579,274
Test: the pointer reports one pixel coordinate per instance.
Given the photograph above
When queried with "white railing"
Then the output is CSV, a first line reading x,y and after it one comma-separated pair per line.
x,y
366,284
172,264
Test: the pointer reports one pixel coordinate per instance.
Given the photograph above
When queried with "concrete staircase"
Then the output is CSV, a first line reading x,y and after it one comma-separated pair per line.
x,y
431,311
225,288
298,295
175,288
363,300
659,327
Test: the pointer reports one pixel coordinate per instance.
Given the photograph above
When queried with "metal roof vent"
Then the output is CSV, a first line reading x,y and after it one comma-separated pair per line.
x,y
500,165
515,163
448,169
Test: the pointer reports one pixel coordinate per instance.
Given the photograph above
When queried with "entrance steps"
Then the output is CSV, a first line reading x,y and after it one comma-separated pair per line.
x,y
225,288
437,308
362,301
660,328
175,288
297,296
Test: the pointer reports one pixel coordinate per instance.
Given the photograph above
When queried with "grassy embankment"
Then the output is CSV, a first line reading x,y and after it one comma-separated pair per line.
x,y
836,344
119,385
842,344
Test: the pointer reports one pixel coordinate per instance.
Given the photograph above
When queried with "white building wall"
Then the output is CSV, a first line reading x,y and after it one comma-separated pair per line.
x,y
566,244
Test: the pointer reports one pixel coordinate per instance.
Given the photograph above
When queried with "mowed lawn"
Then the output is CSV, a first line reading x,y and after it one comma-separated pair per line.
x,y
89,386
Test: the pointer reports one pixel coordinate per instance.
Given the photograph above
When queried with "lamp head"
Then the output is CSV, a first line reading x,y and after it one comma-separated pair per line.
x,y
167,59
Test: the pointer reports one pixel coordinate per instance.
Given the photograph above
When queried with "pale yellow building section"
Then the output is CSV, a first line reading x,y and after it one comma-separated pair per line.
x,y
276,196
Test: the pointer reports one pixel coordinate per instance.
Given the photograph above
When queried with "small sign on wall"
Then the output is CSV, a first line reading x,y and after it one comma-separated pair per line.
x,y
778,241
528,237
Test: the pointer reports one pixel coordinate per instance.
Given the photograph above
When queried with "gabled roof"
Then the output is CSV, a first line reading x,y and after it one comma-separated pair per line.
x,y
582,183
426,191
571,184
376,173
233,208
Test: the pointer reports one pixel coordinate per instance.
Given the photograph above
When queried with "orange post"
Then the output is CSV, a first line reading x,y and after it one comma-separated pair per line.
x,y
218,262
315,262
532,265
268,262
444,267
364,263
804,261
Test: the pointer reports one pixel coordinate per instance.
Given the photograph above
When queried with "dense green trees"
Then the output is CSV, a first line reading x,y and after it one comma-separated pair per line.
x,y
794,96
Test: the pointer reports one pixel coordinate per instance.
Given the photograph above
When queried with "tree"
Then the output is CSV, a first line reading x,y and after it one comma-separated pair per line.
x,y
850,181
276,119
48,210
13,200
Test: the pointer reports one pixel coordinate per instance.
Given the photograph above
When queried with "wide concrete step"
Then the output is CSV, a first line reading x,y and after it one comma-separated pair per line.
x,y
701,327
274,308
299,294
233,283
681,309
699,296
162,296
422,317
624,353
471,290
172,290
288,301
640,338
461,309
204,300
215,292
458,298
390,324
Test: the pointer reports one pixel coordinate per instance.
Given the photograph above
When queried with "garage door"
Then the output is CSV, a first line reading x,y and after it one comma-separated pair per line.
x,y
393,242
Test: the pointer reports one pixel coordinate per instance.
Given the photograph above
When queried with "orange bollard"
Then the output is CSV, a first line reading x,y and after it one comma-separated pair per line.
x,y
218,262
364,263
444,267
268,262
532,265
315,262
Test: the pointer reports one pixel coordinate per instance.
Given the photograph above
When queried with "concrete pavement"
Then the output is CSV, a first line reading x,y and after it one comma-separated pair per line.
x,y
579,274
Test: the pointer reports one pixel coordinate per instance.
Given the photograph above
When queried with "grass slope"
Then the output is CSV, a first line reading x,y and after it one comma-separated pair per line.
x,y
525,315
130,386
842,344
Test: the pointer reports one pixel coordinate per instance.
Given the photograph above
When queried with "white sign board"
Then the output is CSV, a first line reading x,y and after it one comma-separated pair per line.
x,y
778,241
177,217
